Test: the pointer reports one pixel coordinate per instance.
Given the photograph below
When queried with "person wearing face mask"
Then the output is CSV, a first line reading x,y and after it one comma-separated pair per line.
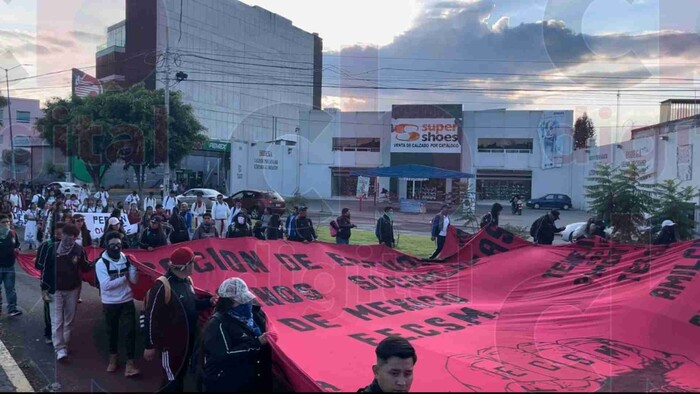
x,y
206,229
385,228
154,236
393,371
169,319
9,250
235,355
115,274
60,285
241,226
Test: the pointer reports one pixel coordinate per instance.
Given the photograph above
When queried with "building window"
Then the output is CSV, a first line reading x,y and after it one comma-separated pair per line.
x,y
342,184
23,117
356,144
505,145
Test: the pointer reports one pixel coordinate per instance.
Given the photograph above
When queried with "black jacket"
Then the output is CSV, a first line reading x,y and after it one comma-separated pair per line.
x,y
489,219
667,236
545,230
232,358
152,239
179,233
385,230
344,227
7,249
305,229
372,388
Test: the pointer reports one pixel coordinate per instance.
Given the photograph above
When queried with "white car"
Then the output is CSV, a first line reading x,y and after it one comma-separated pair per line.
x,y
190,196
73,188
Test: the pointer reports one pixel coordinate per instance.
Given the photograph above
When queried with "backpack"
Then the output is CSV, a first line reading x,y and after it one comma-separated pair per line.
x,y
168,290
333,228
41,202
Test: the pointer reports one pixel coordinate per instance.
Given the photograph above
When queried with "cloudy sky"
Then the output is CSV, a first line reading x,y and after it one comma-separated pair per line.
x,y
515,54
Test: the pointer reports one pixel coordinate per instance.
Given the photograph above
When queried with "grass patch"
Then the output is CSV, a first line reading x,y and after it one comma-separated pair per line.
x,y
410,244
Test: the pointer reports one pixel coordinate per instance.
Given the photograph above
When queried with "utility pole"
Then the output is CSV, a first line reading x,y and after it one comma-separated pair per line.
x,y
9,117
166,176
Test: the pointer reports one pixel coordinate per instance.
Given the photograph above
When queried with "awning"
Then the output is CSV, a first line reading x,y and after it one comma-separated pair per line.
x,y
411,171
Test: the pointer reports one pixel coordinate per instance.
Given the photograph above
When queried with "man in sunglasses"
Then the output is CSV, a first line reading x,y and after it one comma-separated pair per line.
x,y
169,319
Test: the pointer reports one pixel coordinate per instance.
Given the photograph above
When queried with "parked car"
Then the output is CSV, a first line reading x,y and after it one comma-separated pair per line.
x,y
255,201
73,188
190,197
551,201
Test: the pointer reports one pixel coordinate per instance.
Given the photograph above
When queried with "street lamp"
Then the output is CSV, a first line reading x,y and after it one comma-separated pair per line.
x,y
9,116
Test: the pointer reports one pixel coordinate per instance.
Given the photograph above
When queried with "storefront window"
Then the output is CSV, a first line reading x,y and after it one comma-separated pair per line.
x,y
511,145
345,185
502,189
356,144
426,190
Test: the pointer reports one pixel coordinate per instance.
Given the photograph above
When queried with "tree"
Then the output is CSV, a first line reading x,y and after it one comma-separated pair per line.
x,y
619,197
583,131
674,203
125,126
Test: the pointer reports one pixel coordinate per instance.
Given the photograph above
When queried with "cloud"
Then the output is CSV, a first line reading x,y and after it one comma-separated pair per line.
x,y
87,36
453,46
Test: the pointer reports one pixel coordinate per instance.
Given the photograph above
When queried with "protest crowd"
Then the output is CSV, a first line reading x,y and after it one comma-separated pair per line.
x,y
231,352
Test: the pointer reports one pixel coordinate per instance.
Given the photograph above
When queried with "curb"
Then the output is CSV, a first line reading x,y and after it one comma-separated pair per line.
x,y
13,372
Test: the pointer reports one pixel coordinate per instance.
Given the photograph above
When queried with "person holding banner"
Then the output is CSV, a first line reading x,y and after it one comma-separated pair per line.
x,y
220,212
393,371
169,319
179,228
235,355
199,208
116,273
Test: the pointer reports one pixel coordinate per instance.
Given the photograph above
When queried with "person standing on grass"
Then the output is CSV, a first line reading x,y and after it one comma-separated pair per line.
x,y
116,273
60,285
305,227
385,228
9,250
344,227
441,224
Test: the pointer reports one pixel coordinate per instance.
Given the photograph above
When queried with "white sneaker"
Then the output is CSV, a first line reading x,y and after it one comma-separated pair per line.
x,y
61,354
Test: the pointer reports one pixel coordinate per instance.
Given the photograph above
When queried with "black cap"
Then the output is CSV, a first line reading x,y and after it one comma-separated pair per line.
x,y
303,209
200,193
555,213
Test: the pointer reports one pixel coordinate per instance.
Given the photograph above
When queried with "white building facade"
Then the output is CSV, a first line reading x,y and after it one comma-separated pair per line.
x,y
24,113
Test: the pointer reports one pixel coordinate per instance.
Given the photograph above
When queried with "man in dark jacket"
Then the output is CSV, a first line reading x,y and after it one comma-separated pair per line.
x,y
385,228
154,236
241,226
169,320
491,218
394,369
344,227
9,250
304,227
438,233
235,355
668,234
46,251
289,227
544,228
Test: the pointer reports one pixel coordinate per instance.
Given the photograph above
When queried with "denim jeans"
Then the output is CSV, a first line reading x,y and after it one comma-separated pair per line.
x,y
342,241
7,279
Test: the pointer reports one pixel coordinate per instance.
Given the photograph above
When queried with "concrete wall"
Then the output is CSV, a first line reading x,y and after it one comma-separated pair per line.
x,y
24,136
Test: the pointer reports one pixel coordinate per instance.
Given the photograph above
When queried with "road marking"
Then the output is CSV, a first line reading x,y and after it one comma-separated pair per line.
x,y
13,372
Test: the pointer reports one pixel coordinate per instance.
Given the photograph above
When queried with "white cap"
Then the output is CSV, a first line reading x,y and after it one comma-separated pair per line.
x,y
113,221
667,223
237,290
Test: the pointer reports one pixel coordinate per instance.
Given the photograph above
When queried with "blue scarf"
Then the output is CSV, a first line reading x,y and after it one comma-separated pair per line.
x,y
244,313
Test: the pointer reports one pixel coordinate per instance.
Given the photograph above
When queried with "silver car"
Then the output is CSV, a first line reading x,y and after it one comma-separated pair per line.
x,y
190,197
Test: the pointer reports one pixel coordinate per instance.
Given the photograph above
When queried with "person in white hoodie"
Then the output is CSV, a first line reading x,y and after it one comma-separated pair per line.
x,y
115,274
149,201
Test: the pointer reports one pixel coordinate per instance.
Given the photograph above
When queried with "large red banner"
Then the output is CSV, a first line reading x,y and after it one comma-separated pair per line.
x,y
499,315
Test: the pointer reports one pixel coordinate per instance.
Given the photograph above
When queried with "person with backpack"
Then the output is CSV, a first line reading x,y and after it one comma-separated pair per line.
x,y
543,229
115,274
39,200
341,227
234,354
9,250
491,218
385,228
169,319
438,233
60,286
